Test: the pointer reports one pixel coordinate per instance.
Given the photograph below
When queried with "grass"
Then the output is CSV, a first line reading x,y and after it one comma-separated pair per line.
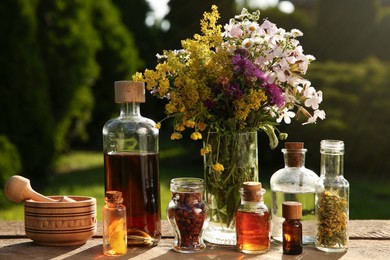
x,y
81,173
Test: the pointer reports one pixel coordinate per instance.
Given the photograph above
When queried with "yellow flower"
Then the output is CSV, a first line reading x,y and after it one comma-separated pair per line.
x,y
196,136
205,150
179,127
176,136
202,126
218,167
158,125
138,77
189,123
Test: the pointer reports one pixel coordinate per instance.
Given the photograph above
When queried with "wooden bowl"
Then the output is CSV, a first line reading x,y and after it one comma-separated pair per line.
x,y
60,223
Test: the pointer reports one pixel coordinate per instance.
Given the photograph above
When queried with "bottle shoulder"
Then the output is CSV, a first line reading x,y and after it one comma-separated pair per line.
x,y
253,207
338,181
290,176
141,125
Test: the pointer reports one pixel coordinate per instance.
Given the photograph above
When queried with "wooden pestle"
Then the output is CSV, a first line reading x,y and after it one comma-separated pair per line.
x,y
18,189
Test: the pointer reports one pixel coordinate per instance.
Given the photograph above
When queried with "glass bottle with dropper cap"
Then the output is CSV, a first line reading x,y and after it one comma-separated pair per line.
x,y
294,182
131,164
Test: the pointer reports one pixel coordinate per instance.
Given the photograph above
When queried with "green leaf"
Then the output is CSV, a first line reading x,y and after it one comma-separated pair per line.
x,y
270,131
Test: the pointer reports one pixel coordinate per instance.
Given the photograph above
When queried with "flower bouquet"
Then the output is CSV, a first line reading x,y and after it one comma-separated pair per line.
x,y
247,77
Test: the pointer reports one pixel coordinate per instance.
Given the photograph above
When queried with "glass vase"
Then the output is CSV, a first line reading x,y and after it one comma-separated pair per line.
x,y
229,160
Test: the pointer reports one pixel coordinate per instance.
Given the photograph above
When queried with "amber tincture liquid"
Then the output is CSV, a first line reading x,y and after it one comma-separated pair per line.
x,y
253,232
137,177
252,220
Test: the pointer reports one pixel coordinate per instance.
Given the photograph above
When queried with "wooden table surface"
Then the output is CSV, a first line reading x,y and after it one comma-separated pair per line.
x,y
369,239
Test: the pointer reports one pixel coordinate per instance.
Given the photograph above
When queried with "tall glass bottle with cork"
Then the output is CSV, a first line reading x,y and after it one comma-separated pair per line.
x,y
332,199
131,164
294,182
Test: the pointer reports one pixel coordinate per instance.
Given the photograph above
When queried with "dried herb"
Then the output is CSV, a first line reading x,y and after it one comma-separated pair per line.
x,y
332,219
187,214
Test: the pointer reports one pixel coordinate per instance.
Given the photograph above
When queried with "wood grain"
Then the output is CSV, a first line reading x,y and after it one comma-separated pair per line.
x,y
369,239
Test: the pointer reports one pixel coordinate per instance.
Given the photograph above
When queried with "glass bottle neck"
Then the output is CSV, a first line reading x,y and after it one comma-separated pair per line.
x,y
130,109
294,158
332,164
252,203
113,204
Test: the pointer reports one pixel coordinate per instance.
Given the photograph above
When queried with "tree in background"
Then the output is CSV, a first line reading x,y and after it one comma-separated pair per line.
x,y
344,31
68,45
146,39
382,35
149,42
118,59
53,56
24,89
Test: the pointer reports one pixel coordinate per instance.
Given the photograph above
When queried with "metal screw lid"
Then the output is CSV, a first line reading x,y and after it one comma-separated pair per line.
x,y
292,210
127,91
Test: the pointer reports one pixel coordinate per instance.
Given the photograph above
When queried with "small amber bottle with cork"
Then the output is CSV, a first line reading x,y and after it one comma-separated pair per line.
x,y
252,220
292,228
114,225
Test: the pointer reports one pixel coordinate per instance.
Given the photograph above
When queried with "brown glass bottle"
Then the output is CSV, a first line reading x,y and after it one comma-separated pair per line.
x,y
131,164
292,228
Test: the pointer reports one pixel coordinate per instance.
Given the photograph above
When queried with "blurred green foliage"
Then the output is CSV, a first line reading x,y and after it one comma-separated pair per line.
x,y
58,56
10,163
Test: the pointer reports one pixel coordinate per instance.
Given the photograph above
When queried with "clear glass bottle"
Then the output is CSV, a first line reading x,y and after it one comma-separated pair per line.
x,y
332,199
114,225
252,220
294,182
292,228
131,164
187,213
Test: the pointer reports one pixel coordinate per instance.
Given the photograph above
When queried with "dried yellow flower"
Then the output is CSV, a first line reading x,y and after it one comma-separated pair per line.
x,y
218,167
176,136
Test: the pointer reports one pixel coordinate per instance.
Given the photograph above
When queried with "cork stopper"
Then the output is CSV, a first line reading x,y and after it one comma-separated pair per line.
x,y
113,196
292,210
129,92
295,153
293,145
252,191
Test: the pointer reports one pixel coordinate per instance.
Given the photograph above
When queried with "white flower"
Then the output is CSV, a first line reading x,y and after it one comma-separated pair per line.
x,y
247,43
232,30
250,27
286,115
313,98
268,27
317,114
296,33
280,74
271,77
